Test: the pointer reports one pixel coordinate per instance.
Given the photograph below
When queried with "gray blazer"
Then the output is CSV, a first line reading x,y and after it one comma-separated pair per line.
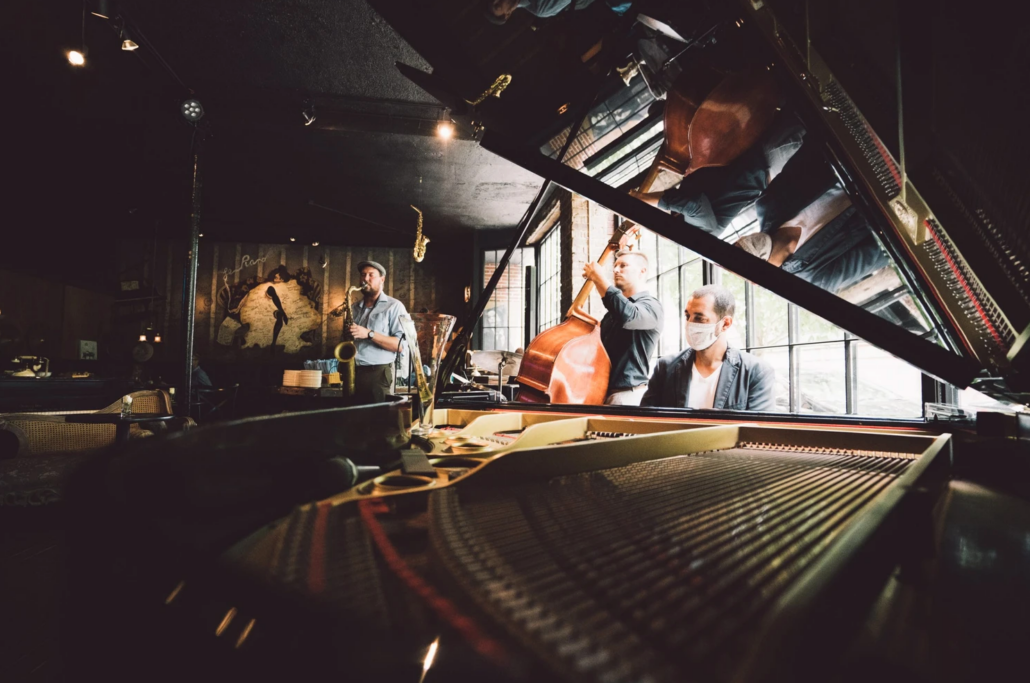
x,y
746,383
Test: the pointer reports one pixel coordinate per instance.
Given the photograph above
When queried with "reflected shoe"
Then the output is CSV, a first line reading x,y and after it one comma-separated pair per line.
x,y
758,244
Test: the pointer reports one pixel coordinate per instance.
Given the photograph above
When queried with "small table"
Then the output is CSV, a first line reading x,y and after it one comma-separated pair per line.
x,y
121,424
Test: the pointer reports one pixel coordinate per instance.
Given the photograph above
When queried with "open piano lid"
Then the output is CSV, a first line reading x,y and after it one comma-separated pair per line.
x,y
938,275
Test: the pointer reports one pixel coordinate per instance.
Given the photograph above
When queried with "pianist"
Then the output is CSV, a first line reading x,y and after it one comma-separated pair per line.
x,y
631,327
710,374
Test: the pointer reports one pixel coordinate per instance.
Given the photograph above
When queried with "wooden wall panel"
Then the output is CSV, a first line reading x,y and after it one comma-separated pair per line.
x,y
435,285
87,315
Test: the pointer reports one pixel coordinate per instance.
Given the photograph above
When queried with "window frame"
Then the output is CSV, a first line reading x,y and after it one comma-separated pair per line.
x,y
712,274
522,303
545,318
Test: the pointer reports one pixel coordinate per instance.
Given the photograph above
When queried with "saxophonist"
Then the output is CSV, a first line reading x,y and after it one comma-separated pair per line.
x,y
376,331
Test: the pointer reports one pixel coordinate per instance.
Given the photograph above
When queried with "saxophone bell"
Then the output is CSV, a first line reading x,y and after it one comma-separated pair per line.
x,y
346,351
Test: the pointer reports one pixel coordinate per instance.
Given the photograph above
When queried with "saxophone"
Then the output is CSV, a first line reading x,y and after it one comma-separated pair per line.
x,y
419,252
346,352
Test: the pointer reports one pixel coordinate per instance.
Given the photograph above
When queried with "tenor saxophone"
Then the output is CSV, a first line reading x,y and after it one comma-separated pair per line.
x,y
346,351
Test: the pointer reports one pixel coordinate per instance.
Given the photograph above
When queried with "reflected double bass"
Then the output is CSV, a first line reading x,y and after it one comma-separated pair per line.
x,y
710,119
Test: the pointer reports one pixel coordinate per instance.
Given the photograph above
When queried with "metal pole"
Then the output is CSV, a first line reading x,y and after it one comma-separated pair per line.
x,y
189,280
851,373
793,359
901,113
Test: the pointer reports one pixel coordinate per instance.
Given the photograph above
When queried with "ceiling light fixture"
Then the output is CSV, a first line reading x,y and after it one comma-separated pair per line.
x,y
128,44
76,58
445,130
143,337
192,110
157,338
314,244
293,239
104,9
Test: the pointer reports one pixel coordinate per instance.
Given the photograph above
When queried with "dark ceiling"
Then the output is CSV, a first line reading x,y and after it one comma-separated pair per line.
x,y
105,148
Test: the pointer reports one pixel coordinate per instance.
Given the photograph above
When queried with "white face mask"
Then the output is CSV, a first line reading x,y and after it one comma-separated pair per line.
x,y
701,335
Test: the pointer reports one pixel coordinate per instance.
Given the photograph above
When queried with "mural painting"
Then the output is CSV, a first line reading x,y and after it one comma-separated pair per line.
x,y
280,311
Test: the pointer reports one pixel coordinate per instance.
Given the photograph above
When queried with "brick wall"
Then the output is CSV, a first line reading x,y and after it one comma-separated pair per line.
x,y
586,228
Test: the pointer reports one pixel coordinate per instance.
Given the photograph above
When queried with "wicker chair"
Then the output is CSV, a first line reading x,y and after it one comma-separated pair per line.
x,y
155,401
39,451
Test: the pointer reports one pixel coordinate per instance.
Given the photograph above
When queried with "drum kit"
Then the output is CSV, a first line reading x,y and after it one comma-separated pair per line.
x,y
485,366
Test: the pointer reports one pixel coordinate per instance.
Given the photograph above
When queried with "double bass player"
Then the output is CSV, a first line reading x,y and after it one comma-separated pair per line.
x,y
631,327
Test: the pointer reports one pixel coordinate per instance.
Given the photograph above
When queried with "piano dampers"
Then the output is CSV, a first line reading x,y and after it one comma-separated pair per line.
x,y
876,155
969,296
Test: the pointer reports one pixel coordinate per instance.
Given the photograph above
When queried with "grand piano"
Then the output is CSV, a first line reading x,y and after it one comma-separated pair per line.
x,y
595,543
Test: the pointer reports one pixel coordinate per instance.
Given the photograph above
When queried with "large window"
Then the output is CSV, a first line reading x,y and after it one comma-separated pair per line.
x,y
504,319
819,367
674,272
548,295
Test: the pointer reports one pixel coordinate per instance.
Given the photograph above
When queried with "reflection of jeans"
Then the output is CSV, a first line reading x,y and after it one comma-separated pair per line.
x,y
712,197
841,253
805,177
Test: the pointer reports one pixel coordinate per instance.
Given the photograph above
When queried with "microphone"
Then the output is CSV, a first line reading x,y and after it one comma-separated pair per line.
x,y
339,474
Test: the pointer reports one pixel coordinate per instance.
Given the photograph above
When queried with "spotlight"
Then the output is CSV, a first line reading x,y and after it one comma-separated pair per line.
x,y
293,239
76,58
192,110
314,244
128,44
200,234
445,130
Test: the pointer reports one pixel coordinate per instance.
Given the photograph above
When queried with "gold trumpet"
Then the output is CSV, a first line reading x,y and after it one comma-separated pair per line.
x,y
346,351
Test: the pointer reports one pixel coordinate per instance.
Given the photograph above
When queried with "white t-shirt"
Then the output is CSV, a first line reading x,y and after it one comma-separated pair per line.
x,y
702,389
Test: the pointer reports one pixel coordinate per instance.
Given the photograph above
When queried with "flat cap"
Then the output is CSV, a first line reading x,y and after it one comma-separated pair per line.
x,y
378,266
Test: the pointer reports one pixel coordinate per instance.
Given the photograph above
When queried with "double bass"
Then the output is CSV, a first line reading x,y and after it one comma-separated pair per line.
x,y
710,119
